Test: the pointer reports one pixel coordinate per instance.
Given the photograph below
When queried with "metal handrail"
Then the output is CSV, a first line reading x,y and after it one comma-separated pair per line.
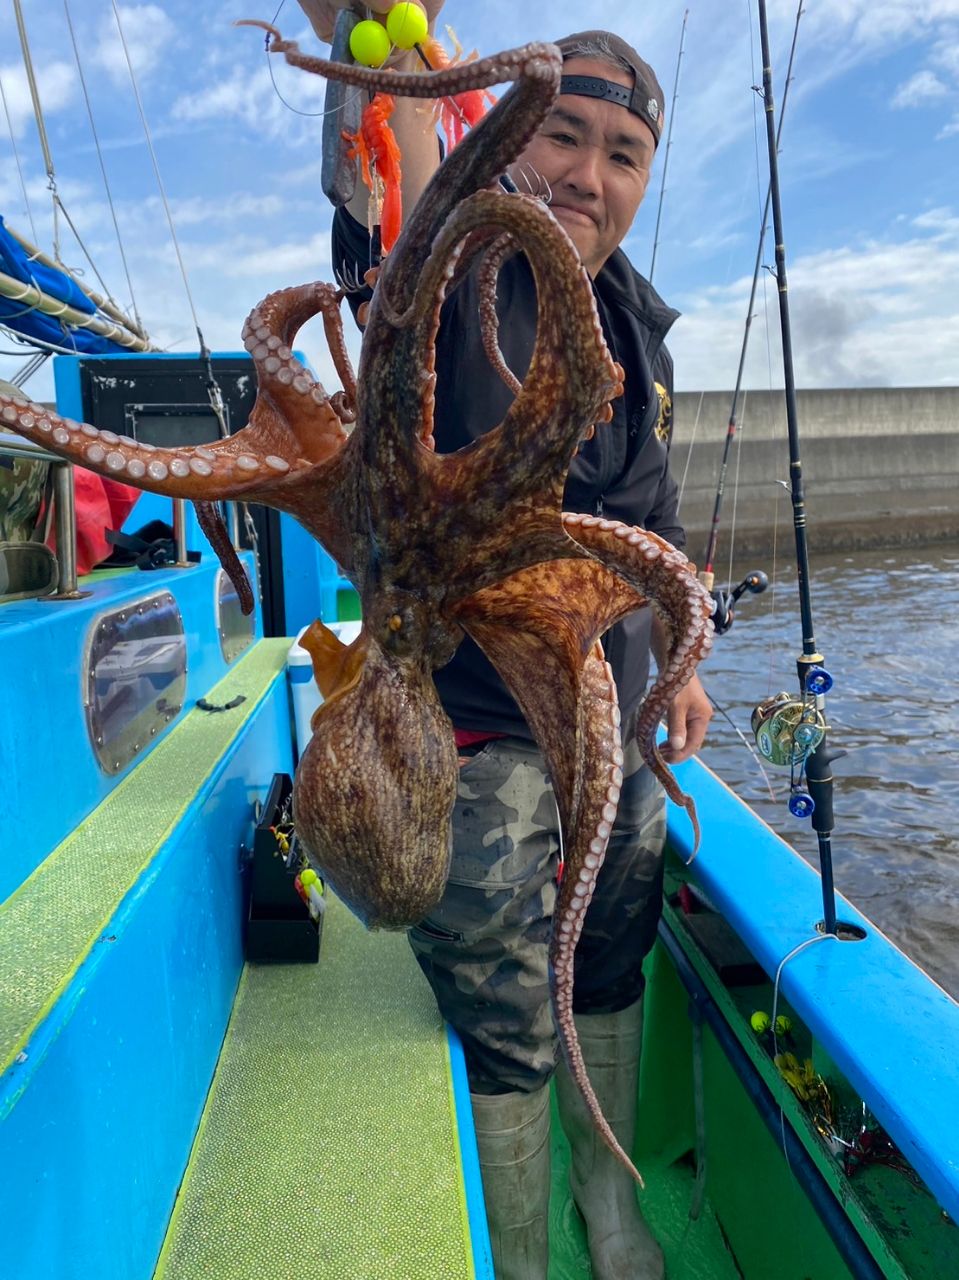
x,y
65,510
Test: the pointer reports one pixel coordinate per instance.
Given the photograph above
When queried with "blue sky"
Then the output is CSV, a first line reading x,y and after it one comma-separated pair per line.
x,y
870,171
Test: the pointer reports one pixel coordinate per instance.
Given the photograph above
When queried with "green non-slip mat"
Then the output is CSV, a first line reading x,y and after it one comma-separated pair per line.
x,y
328,1149
51,923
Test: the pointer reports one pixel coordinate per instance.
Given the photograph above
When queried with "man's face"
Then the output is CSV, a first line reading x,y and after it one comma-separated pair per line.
x,y
596,157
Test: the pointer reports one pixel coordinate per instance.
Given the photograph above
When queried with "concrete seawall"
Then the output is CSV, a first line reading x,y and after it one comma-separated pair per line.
x,y
880,467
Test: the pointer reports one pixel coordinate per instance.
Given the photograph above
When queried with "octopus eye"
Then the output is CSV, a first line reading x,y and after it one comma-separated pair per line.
x,y
395,623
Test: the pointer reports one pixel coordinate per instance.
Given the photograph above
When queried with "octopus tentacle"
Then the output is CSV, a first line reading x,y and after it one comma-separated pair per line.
x,y
304,423
477,161
539,628
520,464
212,525
500,250
560,397
292,424
202,471
665,575
584,853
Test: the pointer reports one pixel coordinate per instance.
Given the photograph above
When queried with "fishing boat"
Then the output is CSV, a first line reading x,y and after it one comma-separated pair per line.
x,y
210,1069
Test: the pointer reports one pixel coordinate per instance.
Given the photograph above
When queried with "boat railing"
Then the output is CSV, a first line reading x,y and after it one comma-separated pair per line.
x,y
65,515
65,510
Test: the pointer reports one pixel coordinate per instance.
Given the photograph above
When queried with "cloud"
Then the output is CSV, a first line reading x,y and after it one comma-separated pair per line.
x,y
254,100
56,84
924,86
877,313
148,32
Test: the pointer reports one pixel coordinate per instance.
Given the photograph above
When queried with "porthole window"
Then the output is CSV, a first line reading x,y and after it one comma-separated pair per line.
x,y
135,668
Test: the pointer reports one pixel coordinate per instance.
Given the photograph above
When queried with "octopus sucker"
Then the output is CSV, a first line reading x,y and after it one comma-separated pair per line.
x,y
470,542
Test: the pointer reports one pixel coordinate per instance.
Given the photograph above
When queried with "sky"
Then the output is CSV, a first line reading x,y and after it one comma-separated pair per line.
x,y
869,168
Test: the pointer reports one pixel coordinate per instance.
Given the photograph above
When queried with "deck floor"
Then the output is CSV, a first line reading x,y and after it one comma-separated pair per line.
x,y
693,1250
329,1145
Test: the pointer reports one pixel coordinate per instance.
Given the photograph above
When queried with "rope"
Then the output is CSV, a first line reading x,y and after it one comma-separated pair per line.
x,y
103,169
37,300
34,94
50,347
41,126
37,255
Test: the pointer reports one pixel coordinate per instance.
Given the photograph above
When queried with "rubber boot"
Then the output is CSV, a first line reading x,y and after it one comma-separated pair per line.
x,y
621,1246
512,1133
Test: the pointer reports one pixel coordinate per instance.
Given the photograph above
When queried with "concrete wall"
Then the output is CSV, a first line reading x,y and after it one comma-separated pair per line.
x,y
880,466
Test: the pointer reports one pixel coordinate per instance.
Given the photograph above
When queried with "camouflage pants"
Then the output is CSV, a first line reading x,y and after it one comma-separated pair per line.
x,y
484,946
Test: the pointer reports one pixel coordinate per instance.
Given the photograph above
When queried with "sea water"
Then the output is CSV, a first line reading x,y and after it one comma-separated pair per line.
x,y
887,623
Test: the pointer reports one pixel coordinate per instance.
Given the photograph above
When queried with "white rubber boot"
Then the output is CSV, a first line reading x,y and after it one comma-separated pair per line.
x,y
512,1133
621,1246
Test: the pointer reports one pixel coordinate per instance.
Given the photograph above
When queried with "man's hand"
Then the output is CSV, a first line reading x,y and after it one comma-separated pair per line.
x,y
322,13
687,719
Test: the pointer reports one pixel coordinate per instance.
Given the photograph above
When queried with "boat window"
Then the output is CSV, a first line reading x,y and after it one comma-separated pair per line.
x,y
135,677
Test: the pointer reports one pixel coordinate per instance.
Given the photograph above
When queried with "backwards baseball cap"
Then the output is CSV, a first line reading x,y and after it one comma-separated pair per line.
x,y
645,99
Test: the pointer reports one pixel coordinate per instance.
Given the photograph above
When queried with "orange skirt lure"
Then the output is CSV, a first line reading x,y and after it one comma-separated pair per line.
x,y
461,110
378,152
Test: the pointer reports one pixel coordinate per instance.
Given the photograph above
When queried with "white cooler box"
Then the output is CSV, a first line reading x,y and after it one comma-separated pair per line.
x,y
299,668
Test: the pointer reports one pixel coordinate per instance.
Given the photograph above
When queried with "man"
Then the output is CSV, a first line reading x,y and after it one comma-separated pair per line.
x,y
484,948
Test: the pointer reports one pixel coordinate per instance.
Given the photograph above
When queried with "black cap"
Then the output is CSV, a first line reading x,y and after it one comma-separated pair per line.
x,y
645,99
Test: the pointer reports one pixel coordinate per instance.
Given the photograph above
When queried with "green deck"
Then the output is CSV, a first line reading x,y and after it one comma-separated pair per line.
x,y
328,1148
329,1145
41,945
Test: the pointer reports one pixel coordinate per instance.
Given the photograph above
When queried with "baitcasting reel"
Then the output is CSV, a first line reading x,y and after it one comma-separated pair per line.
x,y
788,730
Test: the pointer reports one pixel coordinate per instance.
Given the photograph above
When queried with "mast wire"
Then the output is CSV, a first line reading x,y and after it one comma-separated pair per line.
x,y
103,170
58,205
156,169
16,156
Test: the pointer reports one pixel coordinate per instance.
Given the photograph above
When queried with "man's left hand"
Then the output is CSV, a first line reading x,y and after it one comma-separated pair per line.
x,y
687,719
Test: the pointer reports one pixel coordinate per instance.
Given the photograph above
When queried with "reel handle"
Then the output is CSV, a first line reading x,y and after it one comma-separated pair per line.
x,y
723,613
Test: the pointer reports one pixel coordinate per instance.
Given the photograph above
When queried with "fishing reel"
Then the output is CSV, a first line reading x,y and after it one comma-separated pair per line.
x,y
723,614
788,729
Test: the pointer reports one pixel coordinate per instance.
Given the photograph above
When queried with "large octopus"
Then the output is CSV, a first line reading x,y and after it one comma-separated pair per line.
x,y
474,541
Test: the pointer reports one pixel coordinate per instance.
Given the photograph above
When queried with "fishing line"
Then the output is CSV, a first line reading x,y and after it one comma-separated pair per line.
x,y
746,743
739,456
669,143
689,452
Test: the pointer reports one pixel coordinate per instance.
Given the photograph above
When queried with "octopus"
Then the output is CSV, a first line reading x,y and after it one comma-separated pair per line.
x,y
439,545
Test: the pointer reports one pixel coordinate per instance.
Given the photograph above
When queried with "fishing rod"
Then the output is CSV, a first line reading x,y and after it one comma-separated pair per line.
x,y
757,581
793,730
669,143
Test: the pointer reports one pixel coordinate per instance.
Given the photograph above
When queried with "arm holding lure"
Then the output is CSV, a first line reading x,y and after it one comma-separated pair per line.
x,y
412,125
